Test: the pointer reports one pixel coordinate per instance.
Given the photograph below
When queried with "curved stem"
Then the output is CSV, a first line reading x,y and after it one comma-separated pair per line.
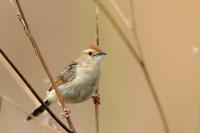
x,y
145,71
20,109
11,67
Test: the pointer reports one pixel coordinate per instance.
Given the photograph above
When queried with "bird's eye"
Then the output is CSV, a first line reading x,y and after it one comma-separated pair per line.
x,y
90,53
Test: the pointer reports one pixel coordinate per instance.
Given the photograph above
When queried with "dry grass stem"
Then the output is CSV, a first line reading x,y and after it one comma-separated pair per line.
x,y
1,100
17,78
146,73
20,109
27,30
121,14
97,92
97,25
15,73
97,115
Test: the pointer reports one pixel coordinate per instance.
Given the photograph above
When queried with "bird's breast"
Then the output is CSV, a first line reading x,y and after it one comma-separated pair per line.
x,y
87,74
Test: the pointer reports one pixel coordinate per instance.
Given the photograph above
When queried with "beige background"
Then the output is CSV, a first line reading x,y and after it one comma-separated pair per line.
x,y
168,31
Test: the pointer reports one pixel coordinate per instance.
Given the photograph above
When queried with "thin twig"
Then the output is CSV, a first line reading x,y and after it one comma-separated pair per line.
x,y
197,123
97,25
21,83
97,91
7,63
97,116
138,58
1,100
146,73
134,30
20,109
27,30
120,13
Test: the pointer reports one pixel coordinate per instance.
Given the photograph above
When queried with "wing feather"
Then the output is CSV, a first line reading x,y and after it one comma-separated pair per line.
x,y
67,75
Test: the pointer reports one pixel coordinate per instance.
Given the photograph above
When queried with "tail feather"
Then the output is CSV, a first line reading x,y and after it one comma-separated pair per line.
x,y
38,111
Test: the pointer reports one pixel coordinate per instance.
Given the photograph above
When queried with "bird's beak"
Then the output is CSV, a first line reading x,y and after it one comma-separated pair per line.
x,y
101,53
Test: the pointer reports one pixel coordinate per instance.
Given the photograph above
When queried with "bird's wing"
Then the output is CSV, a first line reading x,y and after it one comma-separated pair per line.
x,y
67,75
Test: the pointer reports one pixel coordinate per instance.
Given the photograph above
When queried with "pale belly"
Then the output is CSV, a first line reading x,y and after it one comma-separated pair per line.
x,y
78,94
75,93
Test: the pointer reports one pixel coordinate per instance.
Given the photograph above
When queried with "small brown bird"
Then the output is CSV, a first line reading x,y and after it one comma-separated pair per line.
x,y
78,81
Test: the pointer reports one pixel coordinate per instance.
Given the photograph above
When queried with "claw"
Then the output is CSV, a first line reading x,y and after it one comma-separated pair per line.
x,y
96,99
66,113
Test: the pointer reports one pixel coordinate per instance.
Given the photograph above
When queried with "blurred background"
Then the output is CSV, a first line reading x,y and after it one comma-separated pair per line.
x,y
169,35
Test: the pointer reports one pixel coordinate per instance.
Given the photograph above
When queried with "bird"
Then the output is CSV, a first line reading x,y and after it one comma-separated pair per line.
x,y
77,82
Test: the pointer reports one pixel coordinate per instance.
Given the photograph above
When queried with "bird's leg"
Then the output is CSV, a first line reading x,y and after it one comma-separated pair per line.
x,y
96,99
66,113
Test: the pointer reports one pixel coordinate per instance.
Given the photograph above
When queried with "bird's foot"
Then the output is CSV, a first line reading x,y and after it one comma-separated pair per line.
x,y
66,113
96,99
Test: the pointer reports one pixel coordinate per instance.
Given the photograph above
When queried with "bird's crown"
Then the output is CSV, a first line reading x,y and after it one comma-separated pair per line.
x,y
93,48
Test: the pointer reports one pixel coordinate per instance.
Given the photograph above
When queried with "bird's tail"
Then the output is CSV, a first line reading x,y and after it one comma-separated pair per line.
x,y
38,110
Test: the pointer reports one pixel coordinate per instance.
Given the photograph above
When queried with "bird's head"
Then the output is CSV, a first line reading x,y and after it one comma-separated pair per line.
x,y
93,54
